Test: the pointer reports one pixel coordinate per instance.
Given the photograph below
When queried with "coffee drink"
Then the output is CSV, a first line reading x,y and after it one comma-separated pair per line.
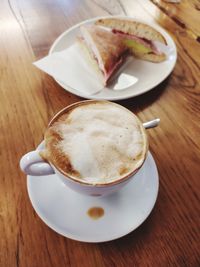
x,y
96,142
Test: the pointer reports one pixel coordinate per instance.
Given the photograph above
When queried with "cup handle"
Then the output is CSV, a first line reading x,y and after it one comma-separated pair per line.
x,y
33,164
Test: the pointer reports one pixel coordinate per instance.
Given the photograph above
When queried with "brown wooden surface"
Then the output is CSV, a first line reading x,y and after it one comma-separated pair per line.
x,y
29,98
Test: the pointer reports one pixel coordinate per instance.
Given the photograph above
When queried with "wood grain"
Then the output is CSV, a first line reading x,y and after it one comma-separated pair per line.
x,y
183,14
29,98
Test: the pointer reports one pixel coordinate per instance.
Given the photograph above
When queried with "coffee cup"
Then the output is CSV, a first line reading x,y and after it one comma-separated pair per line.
x,y
94,146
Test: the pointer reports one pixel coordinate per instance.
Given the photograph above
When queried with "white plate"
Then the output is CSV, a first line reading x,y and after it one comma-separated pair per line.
x,y
148,74
65,211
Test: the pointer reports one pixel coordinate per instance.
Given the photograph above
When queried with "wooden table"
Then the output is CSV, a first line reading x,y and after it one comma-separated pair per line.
x,y
29,98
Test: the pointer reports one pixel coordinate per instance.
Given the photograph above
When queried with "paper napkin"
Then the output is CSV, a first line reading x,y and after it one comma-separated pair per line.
x,y
69,67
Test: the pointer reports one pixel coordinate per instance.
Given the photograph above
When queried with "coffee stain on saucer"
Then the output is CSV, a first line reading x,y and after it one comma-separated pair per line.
x,y
95,213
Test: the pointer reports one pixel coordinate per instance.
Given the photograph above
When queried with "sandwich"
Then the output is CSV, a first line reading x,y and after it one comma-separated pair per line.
x,y
104,49
138,37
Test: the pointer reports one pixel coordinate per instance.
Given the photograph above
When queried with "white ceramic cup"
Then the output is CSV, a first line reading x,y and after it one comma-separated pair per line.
x,y
33,164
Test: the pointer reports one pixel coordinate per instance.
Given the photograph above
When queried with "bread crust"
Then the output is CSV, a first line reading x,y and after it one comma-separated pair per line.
x,y
111,50
152,57
108,44
139,29
91,60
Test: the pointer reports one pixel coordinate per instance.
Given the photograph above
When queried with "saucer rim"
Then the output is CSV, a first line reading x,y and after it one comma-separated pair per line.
x,y
97,240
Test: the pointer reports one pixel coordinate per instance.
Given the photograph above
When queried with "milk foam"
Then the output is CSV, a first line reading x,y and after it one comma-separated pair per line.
x,y
101,141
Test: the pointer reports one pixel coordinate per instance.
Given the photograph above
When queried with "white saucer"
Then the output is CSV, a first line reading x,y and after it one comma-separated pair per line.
x,y
147,74
65,211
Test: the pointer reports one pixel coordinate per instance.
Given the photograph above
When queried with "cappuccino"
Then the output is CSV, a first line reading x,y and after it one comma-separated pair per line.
x,y
96,142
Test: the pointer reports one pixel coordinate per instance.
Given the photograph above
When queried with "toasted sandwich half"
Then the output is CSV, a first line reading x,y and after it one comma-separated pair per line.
x,y
138,37
105,50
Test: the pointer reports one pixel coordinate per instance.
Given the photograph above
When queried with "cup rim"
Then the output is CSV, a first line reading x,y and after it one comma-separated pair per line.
x,y
114,182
